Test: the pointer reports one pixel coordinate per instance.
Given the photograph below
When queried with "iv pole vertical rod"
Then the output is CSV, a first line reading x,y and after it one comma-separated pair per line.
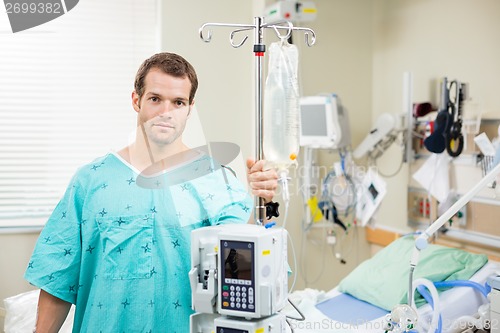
x,y
259,49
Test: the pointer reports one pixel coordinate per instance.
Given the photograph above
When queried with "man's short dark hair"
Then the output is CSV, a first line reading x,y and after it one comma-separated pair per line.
x,y
171,64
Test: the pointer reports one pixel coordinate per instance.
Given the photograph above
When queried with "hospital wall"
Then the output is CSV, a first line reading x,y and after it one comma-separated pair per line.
x,y
362,50
431,39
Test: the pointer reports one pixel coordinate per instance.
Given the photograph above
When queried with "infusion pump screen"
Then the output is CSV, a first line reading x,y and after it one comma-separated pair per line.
x,y
238,281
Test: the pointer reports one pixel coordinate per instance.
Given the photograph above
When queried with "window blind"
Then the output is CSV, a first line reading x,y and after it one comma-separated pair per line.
x,y
65,90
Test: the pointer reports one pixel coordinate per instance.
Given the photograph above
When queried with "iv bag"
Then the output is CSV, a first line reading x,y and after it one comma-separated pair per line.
x,y
281,106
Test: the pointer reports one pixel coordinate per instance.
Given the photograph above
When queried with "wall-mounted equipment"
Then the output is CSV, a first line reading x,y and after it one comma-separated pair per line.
x,y
296,11
447,132
383,133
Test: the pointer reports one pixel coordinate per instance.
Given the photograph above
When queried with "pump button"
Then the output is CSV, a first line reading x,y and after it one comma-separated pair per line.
x,y
266,270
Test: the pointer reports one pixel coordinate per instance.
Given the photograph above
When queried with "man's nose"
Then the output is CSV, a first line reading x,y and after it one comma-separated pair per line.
x,y
167,107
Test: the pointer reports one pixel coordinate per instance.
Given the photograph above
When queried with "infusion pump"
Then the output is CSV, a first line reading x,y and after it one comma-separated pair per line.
x,y
240,271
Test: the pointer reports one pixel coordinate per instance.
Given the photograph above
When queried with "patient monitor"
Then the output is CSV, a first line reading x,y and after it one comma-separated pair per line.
x,y
324,122
238,270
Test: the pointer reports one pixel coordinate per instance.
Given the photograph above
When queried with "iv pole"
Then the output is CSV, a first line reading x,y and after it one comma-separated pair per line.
x,y
259,49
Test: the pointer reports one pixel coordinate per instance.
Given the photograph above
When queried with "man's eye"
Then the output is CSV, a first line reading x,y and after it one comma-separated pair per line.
x,y
180,103
154,99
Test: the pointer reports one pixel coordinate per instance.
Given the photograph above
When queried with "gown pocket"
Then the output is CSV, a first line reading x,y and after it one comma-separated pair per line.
x,y
127,244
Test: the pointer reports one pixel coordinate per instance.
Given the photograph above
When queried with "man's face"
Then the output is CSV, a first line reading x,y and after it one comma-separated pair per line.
x,y
164,107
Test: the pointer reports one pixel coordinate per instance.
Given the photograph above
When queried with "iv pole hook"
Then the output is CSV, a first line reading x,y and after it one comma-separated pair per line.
x,y
289,29
208,38
231,38
309,35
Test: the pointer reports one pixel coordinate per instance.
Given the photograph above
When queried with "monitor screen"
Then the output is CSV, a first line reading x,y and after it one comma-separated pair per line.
x,y
313,120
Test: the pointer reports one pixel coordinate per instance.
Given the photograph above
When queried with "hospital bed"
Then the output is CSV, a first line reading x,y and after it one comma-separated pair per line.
x,y
337,310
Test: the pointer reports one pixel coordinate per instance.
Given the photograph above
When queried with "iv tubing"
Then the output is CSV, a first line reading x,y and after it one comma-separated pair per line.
x,y
283,178
437,309
455,283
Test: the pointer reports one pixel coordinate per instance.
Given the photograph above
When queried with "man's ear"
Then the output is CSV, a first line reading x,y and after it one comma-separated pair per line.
x,y
191,106
135,101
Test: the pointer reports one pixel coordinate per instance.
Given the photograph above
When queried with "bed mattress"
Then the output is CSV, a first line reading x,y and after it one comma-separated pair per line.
x,y
338,312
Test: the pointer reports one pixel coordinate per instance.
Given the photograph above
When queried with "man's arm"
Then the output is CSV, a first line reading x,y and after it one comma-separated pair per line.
x,y
52,312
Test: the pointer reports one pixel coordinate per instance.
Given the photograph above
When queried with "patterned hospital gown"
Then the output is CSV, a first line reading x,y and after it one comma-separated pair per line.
x,y
118,244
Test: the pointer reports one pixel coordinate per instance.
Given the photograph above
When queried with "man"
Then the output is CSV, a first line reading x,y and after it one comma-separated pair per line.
x,y
117,245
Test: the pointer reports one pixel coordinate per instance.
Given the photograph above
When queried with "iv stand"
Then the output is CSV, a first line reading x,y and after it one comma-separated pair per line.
x,y
259,49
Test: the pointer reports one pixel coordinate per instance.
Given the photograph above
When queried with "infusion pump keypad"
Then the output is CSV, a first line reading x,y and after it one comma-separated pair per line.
x,y
238,295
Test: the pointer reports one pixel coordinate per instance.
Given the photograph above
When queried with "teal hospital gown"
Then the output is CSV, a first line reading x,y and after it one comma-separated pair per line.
x,y
118,244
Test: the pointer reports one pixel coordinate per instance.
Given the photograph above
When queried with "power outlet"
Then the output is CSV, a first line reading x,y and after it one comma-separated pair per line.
x,y
460,218
421,207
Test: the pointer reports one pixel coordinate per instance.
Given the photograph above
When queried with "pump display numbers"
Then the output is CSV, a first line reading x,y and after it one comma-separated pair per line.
x,y
238,280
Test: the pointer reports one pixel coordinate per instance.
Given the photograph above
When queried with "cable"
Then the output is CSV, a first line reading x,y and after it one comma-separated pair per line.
x,y
332,206
302,317
289,325
304,271
340,179
335,179
395,172
294,264
346,254
348,191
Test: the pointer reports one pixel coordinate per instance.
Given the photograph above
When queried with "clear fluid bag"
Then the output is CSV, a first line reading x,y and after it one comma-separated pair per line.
x,y
281,107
